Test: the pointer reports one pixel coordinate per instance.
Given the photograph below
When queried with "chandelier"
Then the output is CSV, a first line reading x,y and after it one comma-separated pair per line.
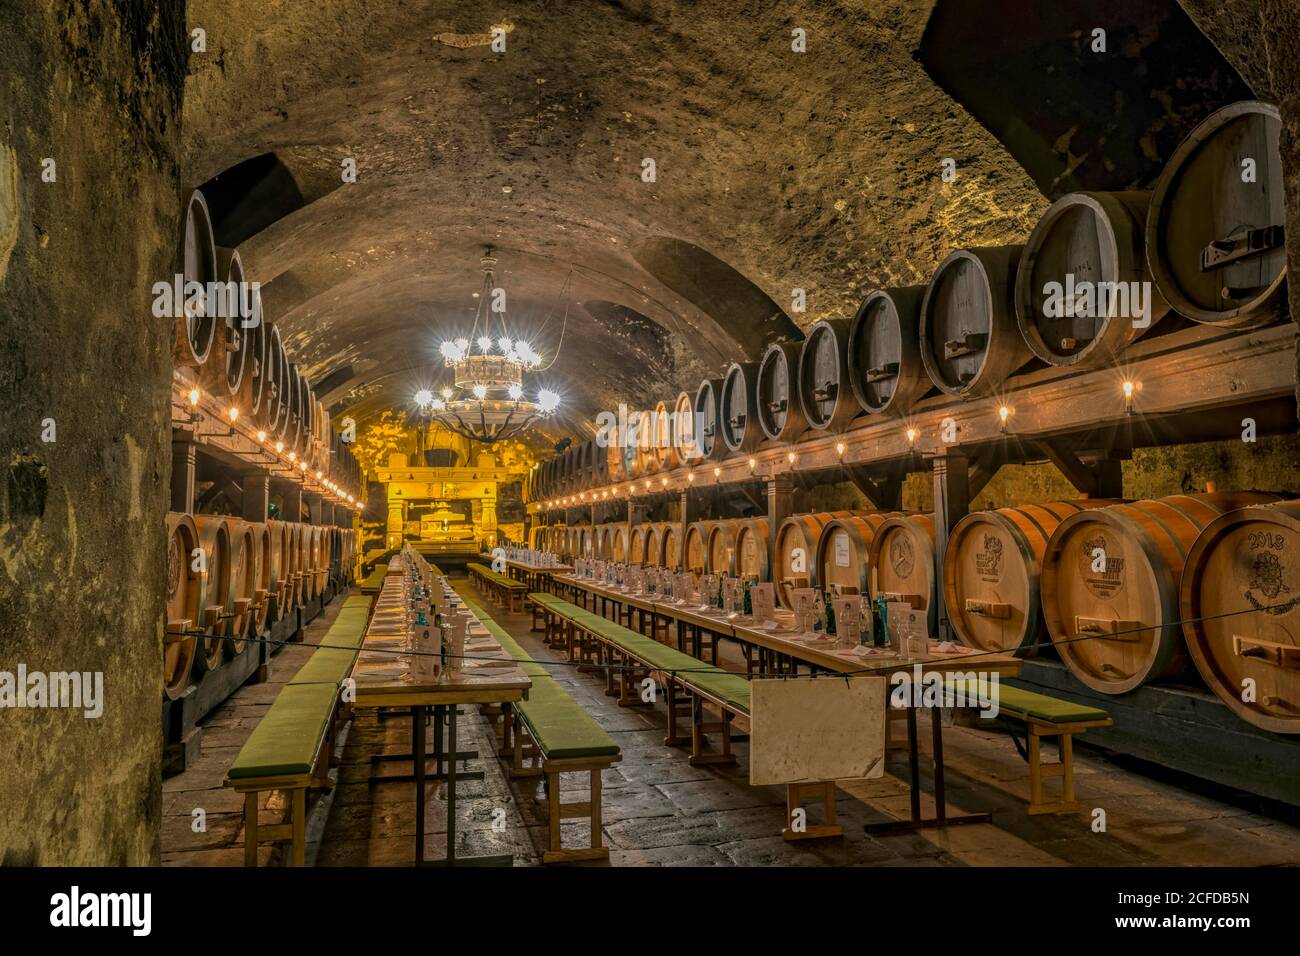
x,y
486,401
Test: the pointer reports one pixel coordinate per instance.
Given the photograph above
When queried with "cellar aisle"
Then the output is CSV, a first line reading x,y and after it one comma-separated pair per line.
x,y
660,811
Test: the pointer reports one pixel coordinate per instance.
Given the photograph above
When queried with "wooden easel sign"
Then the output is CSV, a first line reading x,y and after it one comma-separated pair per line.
x,y
804,730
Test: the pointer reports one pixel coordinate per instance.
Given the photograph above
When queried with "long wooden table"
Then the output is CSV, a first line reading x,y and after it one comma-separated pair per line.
x,y
537,578
784,645
388,674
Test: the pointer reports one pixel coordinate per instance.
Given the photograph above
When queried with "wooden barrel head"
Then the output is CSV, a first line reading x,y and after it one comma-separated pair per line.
x,y
636,545
184,604
751,550
697,546
902,563
243,584
214,539
257,396
686,441
721,543
665,450
708,419
970,342
884,357
1083,290
779,413
263,587
824,392
618,544
739,410
654,545
585,543
1240,602
196,324
224,371
1215,233
670,547
796,553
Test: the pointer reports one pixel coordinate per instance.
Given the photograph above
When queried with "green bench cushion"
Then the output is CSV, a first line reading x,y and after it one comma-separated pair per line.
x,y
374,581
1031,704
502,579
326,666
558,723
731,689
286,741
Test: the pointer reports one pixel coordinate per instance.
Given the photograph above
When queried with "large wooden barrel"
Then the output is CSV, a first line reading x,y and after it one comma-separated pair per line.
x,y
256,391
665,449
261,606
295,433
320,538
740,428
281,569
654,544
751,550
223,373
1240,604
218,609
969,338
720,554
297,586
779,413
195,326
647,458
825,394
902,563
843,556
796,552
1215,233
244,556
991,568
636,545
670,546
1109,587
280,384
708,420
1084,244
686,443
885,364
586,541
616,542
697,546
185,593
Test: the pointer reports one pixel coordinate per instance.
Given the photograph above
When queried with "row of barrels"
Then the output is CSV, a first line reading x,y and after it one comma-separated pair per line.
x,y
1128,593
1098,271
233,352
230,579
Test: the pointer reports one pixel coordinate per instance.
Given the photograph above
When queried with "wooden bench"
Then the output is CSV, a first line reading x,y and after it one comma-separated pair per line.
x,y
504,591
693,688
292,747
547,735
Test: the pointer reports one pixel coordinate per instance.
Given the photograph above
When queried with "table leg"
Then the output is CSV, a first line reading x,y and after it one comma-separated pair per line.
x,y
417,747
941,818
451,859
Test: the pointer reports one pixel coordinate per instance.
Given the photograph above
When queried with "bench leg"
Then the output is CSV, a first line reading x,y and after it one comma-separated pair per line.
x,y
250,829
1038,770
674,739
298,847
795,794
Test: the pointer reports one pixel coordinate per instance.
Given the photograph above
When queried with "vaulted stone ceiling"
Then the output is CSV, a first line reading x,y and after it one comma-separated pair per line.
x,y
775,171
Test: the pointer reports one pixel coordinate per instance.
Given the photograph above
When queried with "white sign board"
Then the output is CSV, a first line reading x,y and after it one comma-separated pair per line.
x,y
803,730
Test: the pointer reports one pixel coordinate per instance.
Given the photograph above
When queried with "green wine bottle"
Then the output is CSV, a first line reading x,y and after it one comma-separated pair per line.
x,y
830,614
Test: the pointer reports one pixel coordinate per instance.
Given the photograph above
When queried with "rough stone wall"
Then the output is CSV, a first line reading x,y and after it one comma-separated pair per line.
x,y
1281,44
95,86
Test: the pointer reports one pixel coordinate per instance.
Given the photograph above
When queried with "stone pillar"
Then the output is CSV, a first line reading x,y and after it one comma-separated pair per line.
x,y
396,522
780,505
257,495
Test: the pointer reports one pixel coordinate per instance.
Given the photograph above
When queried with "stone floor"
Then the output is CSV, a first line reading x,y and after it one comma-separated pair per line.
x,y
660,811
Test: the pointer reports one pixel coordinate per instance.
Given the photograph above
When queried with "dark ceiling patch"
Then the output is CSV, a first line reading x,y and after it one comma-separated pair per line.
x,y
1074,118
249,196
741,308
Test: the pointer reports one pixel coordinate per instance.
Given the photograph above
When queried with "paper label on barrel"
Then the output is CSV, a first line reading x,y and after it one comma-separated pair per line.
x,y
1101,565
841,550
1262,566
988,560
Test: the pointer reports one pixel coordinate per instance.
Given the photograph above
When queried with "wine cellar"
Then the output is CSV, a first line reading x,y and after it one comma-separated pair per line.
x,y
650,434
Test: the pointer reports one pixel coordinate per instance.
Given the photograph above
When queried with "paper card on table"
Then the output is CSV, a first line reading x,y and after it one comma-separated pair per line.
x,y
763,599
802,730
805,601
848,618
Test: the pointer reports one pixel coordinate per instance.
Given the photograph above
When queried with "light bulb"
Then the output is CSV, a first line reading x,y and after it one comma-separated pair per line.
x,y
452,352
462,345
484,344
480,391
194,396
423,397
437,404
515,391
279,447
503,344
690,476
717,472
548,400
446,392
839,448
261,436
293,456
791,457
911,436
